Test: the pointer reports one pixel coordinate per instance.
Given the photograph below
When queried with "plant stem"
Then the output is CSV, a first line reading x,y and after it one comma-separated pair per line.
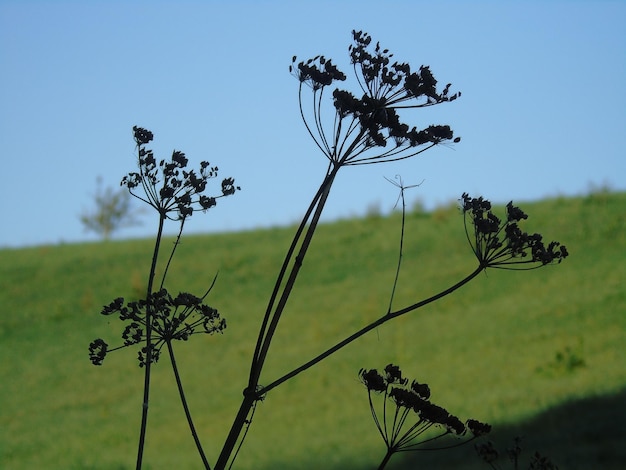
x,y
235,431
169,261
295,270
183,400
281,275
386,459
146,385
270,321
395,280
368,328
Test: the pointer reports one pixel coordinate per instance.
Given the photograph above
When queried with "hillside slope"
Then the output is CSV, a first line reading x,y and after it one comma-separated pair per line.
x,y
509,348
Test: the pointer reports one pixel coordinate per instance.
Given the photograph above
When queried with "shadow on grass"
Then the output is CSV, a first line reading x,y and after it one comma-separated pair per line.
x,y
583,434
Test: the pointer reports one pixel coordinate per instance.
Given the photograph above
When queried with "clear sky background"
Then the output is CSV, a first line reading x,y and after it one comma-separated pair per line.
x,y
542,112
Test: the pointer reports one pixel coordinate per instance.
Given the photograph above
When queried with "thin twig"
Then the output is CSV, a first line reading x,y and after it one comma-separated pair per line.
x,y
400,185
176,243
248,422
183,400
368,328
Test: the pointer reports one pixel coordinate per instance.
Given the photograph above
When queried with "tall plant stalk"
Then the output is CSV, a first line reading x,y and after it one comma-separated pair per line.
x,y
362,131
148,365
273,315
159,319
359,134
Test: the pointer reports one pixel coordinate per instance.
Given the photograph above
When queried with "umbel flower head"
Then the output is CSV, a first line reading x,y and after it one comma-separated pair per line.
x,y
501,243
408,413
172,318
168,186
367,128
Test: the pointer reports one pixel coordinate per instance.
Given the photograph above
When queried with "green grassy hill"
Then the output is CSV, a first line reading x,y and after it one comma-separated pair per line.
x,y
540,354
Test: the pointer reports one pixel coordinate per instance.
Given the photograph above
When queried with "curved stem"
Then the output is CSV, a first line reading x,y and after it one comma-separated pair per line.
x,y
399,265
294,273
176,243
281,275
270,321
146,384
367,329
183,400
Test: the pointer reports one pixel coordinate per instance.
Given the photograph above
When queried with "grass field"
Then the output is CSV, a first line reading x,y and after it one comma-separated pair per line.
x,y
538,354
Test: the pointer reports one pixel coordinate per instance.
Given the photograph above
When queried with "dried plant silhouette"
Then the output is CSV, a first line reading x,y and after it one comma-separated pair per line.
x,y
490,455
160,319
359,127
408,415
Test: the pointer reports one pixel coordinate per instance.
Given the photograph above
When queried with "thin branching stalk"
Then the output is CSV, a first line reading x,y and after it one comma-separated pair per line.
x,y
294,273
281,276
146,384
245,433
402,226
183,400
159,319
383,434
361,131
176,243
235,430
271,320
368,328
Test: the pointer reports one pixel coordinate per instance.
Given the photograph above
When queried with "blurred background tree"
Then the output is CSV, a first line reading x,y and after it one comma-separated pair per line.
x,y
113,210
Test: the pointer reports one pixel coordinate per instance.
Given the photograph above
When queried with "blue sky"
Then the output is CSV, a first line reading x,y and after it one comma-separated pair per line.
x,y
542,112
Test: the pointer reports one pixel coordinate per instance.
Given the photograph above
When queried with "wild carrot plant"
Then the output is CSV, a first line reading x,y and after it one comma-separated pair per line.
x,y
358,126
407,415
158,320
